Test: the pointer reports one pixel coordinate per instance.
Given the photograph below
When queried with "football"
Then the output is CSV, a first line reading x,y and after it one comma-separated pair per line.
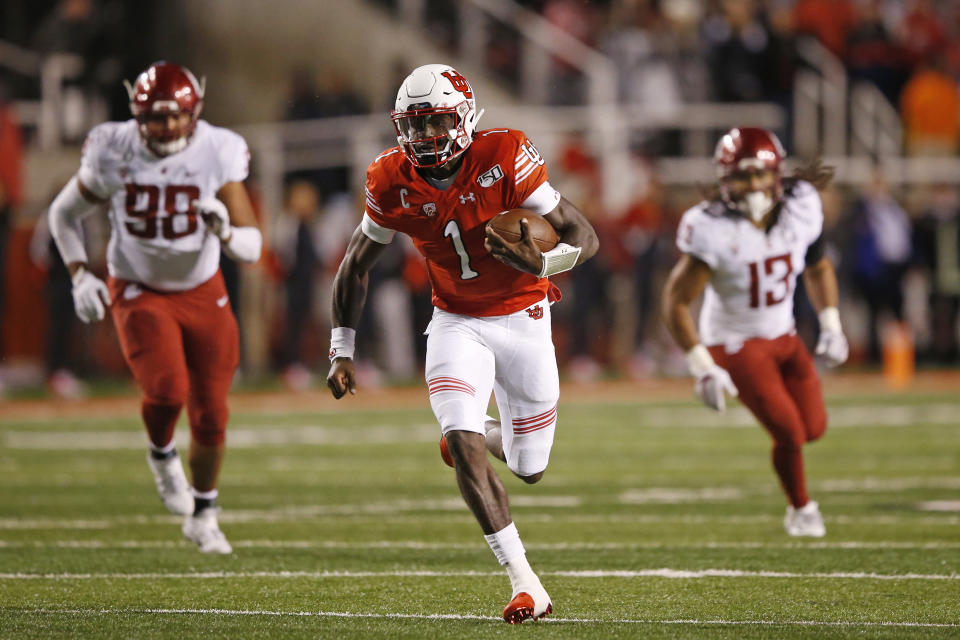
x,y
507,224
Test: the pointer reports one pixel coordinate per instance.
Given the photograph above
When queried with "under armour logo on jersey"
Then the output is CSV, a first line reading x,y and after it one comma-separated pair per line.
x,y
469,196
488,178
535,312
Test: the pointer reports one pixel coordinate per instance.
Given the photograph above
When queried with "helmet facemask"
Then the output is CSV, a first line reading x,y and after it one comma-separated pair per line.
x,y
753,191
431,136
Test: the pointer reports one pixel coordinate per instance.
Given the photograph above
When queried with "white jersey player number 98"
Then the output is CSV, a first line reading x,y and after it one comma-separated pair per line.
x,y
142,204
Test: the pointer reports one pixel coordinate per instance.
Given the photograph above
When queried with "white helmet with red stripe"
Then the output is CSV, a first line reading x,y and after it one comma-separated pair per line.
x,y
435,115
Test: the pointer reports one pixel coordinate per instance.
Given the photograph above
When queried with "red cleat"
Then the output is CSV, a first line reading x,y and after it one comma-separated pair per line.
x,y
445,453
522,608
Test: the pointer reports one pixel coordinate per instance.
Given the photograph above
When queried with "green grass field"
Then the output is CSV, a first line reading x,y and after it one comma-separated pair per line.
x,y
653,521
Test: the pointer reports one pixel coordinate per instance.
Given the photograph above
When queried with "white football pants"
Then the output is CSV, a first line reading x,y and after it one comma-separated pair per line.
x,y
513,357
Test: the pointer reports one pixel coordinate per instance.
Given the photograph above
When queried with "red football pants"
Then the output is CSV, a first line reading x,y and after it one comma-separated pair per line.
x,y
778,382
182,347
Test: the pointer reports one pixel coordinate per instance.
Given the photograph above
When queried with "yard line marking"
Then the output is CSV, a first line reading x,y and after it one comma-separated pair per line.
x,y
855,416
460,616
468,546
239,438
452,510
678,574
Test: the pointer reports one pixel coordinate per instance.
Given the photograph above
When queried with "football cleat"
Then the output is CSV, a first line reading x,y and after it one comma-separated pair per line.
x,y
202,529
172,484
523,606
805,521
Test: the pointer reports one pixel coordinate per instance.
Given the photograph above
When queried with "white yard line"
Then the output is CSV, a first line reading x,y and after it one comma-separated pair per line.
x,y
247,437
456,616
454,510
680,574
461,546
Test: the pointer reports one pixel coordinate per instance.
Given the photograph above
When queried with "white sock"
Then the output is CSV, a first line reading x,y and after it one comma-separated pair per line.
x,y
204,495
508,549
167,448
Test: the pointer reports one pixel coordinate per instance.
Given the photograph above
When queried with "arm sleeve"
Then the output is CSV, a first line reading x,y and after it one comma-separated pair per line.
x,y
66,212
91,172
693,238
234,157
374,231
543,200
815,252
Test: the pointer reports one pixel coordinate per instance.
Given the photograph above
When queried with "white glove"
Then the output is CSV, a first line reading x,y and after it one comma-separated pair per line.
x,y
712,379
832,344
214,215
90,296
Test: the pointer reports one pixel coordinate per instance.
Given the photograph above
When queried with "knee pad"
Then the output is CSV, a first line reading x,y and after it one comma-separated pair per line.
x,y
457,411
527,461
208,424
165,388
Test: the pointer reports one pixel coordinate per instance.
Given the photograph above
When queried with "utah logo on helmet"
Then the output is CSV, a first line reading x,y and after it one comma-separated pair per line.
x,y
164,90
435,115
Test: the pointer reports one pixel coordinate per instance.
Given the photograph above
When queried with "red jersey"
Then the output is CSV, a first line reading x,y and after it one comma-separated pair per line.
x,y
500,170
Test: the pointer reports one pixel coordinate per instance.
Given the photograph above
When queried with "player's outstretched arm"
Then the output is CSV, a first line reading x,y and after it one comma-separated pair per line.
x,y
686,283
820,280
349,295
230,217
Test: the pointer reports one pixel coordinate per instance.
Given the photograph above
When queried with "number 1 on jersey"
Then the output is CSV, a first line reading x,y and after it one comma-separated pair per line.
x,y
452,231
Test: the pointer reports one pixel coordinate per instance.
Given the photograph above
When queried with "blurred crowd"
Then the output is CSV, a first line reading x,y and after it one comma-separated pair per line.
x,y
897,250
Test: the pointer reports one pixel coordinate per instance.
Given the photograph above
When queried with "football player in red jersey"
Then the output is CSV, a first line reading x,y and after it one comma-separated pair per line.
x,y
490,330
174,185
745,249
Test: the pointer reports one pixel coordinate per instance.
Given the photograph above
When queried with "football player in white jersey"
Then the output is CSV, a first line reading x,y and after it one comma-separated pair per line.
x,y
743,251
174,189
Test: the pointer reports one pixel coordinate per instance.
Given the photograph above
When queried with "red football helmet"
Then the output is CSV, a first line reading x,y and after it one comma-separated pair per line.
x,y
749,163
162,90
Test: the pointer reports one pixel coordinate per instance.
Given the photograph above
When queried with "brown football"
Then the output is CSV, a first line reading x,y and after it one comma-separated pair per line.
x,y
507,224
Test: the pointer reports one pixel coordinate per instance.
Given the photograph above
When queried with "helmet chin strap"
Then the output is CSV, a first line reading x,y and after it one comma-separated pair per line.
x,y
757,204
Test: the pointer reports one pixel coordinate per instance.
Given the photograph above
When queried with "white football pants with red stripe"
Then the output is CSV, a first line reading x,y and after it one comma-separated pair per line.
x,y
511,356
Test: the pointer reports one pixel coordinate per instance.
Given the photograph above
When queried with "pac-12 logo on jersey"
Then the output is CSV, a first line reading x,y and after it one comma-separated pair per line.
x,y
490,177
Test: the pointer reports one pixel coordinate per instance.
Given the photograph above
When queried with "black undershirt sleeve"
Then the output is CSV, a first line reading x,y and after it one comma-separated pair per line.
x,y
815,252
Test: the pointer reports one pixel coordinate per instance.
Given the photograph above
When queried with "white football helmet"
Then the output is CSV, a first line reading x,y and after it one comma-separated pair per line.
x,y
435,115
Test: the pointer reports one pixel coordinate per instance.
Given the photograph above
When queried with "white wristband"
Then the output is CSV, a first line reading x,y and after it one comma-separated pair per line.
x,y
561,258
699,360
342,343
244,244
830,320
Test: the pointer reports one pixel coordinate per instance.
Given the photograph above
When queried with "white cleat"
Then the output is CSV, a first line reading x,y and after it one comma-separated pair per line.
x,y
172,484
805,521
203,530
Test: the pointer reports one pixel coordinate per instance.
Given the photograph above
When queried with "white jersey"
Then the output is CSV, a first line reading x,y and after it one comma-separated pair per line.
x,y
750,294
155,237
